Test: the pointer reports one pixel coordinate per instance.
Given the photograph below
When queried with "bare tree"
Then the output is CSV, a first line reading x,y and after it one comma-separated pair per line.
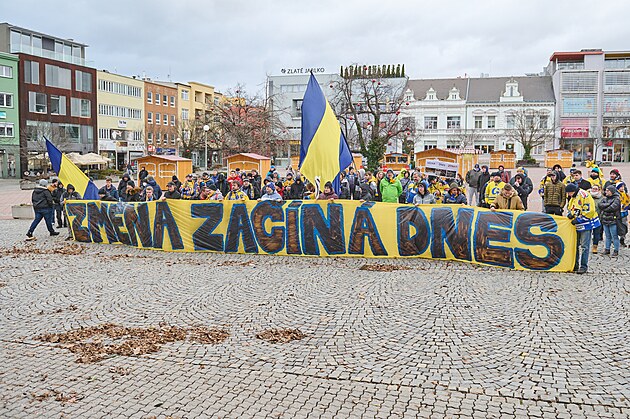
x,y
530,128
367,101
467,137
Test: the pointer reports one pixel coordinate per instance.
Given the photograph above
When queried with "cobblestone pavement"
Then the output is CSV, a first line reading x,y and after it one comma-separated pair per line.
x,y
437,340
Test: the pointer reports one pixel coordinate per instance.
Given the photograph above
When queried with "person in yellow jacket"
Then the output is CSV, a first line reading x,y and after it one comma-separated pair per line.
x,y
493,188
596,178
583,214
236,194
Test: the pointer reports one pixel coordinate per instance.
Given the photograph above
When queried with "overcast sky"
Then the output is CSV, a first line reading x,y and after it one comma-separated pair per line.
x,y
226,42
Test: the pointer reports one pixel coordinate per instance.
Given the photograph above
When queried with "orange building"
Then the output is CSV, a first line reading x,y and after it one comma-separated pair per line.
x,y
161,117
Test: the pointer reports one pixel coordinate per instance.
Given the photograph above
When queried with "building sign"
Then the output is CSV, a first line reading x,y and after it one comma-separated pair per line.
x,y
303,70
617,104
579,105
120,135
122,123
165,151
151,149
574,132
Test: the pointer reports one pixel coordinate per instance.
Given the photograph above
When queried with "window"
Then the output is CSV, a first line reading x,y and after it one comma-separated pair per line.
x,y
6,71
172,120
173,142
119,88
509,121
150,118
157,118
6,100
543,121
430,122
150,138
184,114
165,119
31,72
83,81
297,105
157,138
37,102
185,95
149,97
164,100
119,111
492,122
478,122
80,107
6,129
103,134
580,82
157,98
57,105
173,101
453,122
58,77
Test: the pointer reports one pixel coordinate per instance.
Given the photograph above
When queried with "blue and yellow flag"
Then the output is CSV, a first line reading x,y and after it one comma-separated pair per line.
x,y
69,173
324,151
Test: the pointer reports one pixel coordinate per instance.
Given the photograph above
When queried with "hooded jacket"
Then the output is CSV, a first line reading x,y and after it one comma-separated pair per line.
x,y
297,189
459,198
390,191
41,198
427,199
122,186
610,207
472,178
582,206
513,202
554,194
157,191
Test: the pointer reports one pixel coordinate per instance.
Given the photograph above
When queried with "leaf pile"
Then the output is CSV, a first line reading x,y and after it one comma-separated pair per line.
x,y
32,249
382,267
235,263
70,397
93,344
280,335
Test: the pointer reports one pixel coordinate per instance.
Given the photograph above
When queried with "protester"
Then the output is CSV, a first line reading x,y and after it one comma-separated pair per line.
x,y
390,188
296,191
57,208
624,197
133,193
176,182
508,199
492,189
596,193
328,192
234,178
576,177
43,206
454,195
188,190
149,194
309,191
596,178
423,196
558,169
255,178
366,192
270,193
404,179
109,190
157,191
582,213
171,192
379,175
215,193
222,184
122,187
554,195
523,185
250,190
235,193
142,175
472,179
610,210
204,194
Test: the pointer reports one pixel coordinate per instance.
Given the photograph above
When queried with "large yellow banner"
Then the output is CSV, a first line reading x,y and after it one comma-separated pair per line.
x,y
512,239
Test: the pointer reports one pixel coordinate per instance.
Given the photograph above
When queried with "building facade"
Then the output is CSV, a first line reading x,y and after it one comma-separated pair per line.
x,y
161,121
480,113
57,93
592,89
9,117
120,122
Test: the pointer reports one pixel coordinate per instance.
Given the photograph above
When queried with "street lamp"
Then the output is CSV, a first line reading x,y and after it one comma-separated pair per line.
x,y
206,128
179,144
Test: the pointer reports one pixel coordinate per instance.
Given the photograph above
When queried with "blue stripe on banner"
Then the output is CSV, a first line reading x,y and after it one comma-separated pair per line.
x,y
54,155
313,108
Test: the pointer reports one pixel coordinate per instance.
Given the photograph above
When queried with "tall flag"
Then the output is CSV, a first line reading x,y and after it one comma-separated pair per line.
x,y
69,173
324,151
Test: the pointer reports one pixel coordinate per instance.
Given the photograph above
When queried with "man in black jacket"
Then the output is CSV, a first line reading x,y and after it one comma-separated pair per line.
x,y
43,206
522,184
58,209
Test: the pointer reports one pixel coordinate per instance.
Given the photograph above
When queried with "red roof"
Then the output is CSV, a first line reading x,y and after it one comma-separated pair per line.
x,y
251,156
576,55
164,157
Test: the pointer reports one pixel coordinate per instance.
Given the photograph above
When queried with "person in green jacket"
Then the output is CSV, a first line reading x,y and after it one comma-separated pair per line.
x,y
390,187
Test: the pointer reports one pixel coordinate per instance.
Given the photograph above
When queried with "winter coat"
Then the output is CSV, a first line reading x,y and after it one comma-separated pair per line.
x,y
142,175
459,198
554,195
472,178
610,208
484,178
512,203
491,191
297,190
69,196
390,191
135,195
365,192
172,195
222,185
583,184
41,198
275,196
582,207
157,191
331,195
56,195
122,186
111,192
251,191
426,199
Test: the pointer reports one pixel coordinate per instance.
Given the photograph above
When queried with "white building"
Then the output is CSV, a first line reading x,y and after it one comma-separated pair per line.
x,y
476,112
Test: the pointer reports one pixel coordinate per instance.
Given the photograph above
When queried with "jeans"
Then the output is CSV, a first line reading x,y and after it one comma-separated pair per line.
x,y
473,196
47,215
611,236
583,249
597,234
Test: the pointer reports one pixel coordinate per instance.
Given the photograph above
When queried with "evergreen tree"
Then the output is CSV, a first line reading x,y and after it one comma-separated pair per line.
x,y
341,71
389,70
398,70
403,70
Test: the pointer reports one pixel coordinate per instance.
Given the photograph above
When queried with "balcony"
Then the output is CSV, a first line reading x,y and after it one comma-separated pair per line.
x,y
52,55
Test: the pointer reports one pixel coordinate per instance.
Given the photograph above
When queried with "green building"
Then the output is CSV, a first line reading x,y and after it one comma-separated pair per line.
x,y
9,117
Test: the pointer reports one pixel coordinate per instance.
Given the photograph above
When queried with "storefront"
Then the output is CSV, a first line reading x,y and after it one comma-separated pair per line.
x,y
616,139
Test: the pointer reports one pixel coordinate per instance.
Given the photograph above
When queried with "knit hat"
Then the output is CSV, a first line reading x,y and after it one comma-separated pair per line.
x,y
476,166
495,174
271,185
615,171
213,187
129,183
520,169
453,186
329,184
43,183
571,187
390,170
595,169
612,189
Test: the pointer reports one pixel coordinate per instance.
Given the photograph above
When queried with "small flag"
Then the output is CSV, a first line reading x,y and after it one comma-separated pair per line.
x,y
69,173
324,151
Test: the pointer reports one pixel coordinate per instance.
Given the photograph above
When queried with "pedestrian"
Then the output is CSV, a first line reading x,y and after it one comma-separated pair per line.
x,y
492,189
472,179
582,213
43,206
484,178
596,193
624,197
508,199
554,196
610,210
523,185
58,209
390,188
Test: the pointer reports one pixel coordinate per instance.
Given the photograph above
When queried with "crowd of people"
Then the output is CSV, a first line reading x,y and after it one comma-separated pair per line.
x,y
597,206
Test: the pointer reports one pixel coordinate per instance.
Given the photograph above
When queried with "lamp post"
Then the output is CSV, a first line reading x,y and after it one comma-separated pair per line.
x,y
179,144
206,128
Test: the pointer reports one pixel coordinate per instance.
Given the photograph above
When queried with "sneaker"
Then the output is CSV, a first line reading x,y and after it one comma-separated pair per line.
x,y
615,253
29,237
54,233
594,249
582,270
606,251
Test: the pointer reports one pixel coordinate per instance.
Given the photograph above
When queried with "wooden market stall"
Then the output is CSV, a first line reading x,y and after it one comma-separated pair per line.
x,y
249,161
163,167
357,160
503,157
465,158
562,157
395,161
